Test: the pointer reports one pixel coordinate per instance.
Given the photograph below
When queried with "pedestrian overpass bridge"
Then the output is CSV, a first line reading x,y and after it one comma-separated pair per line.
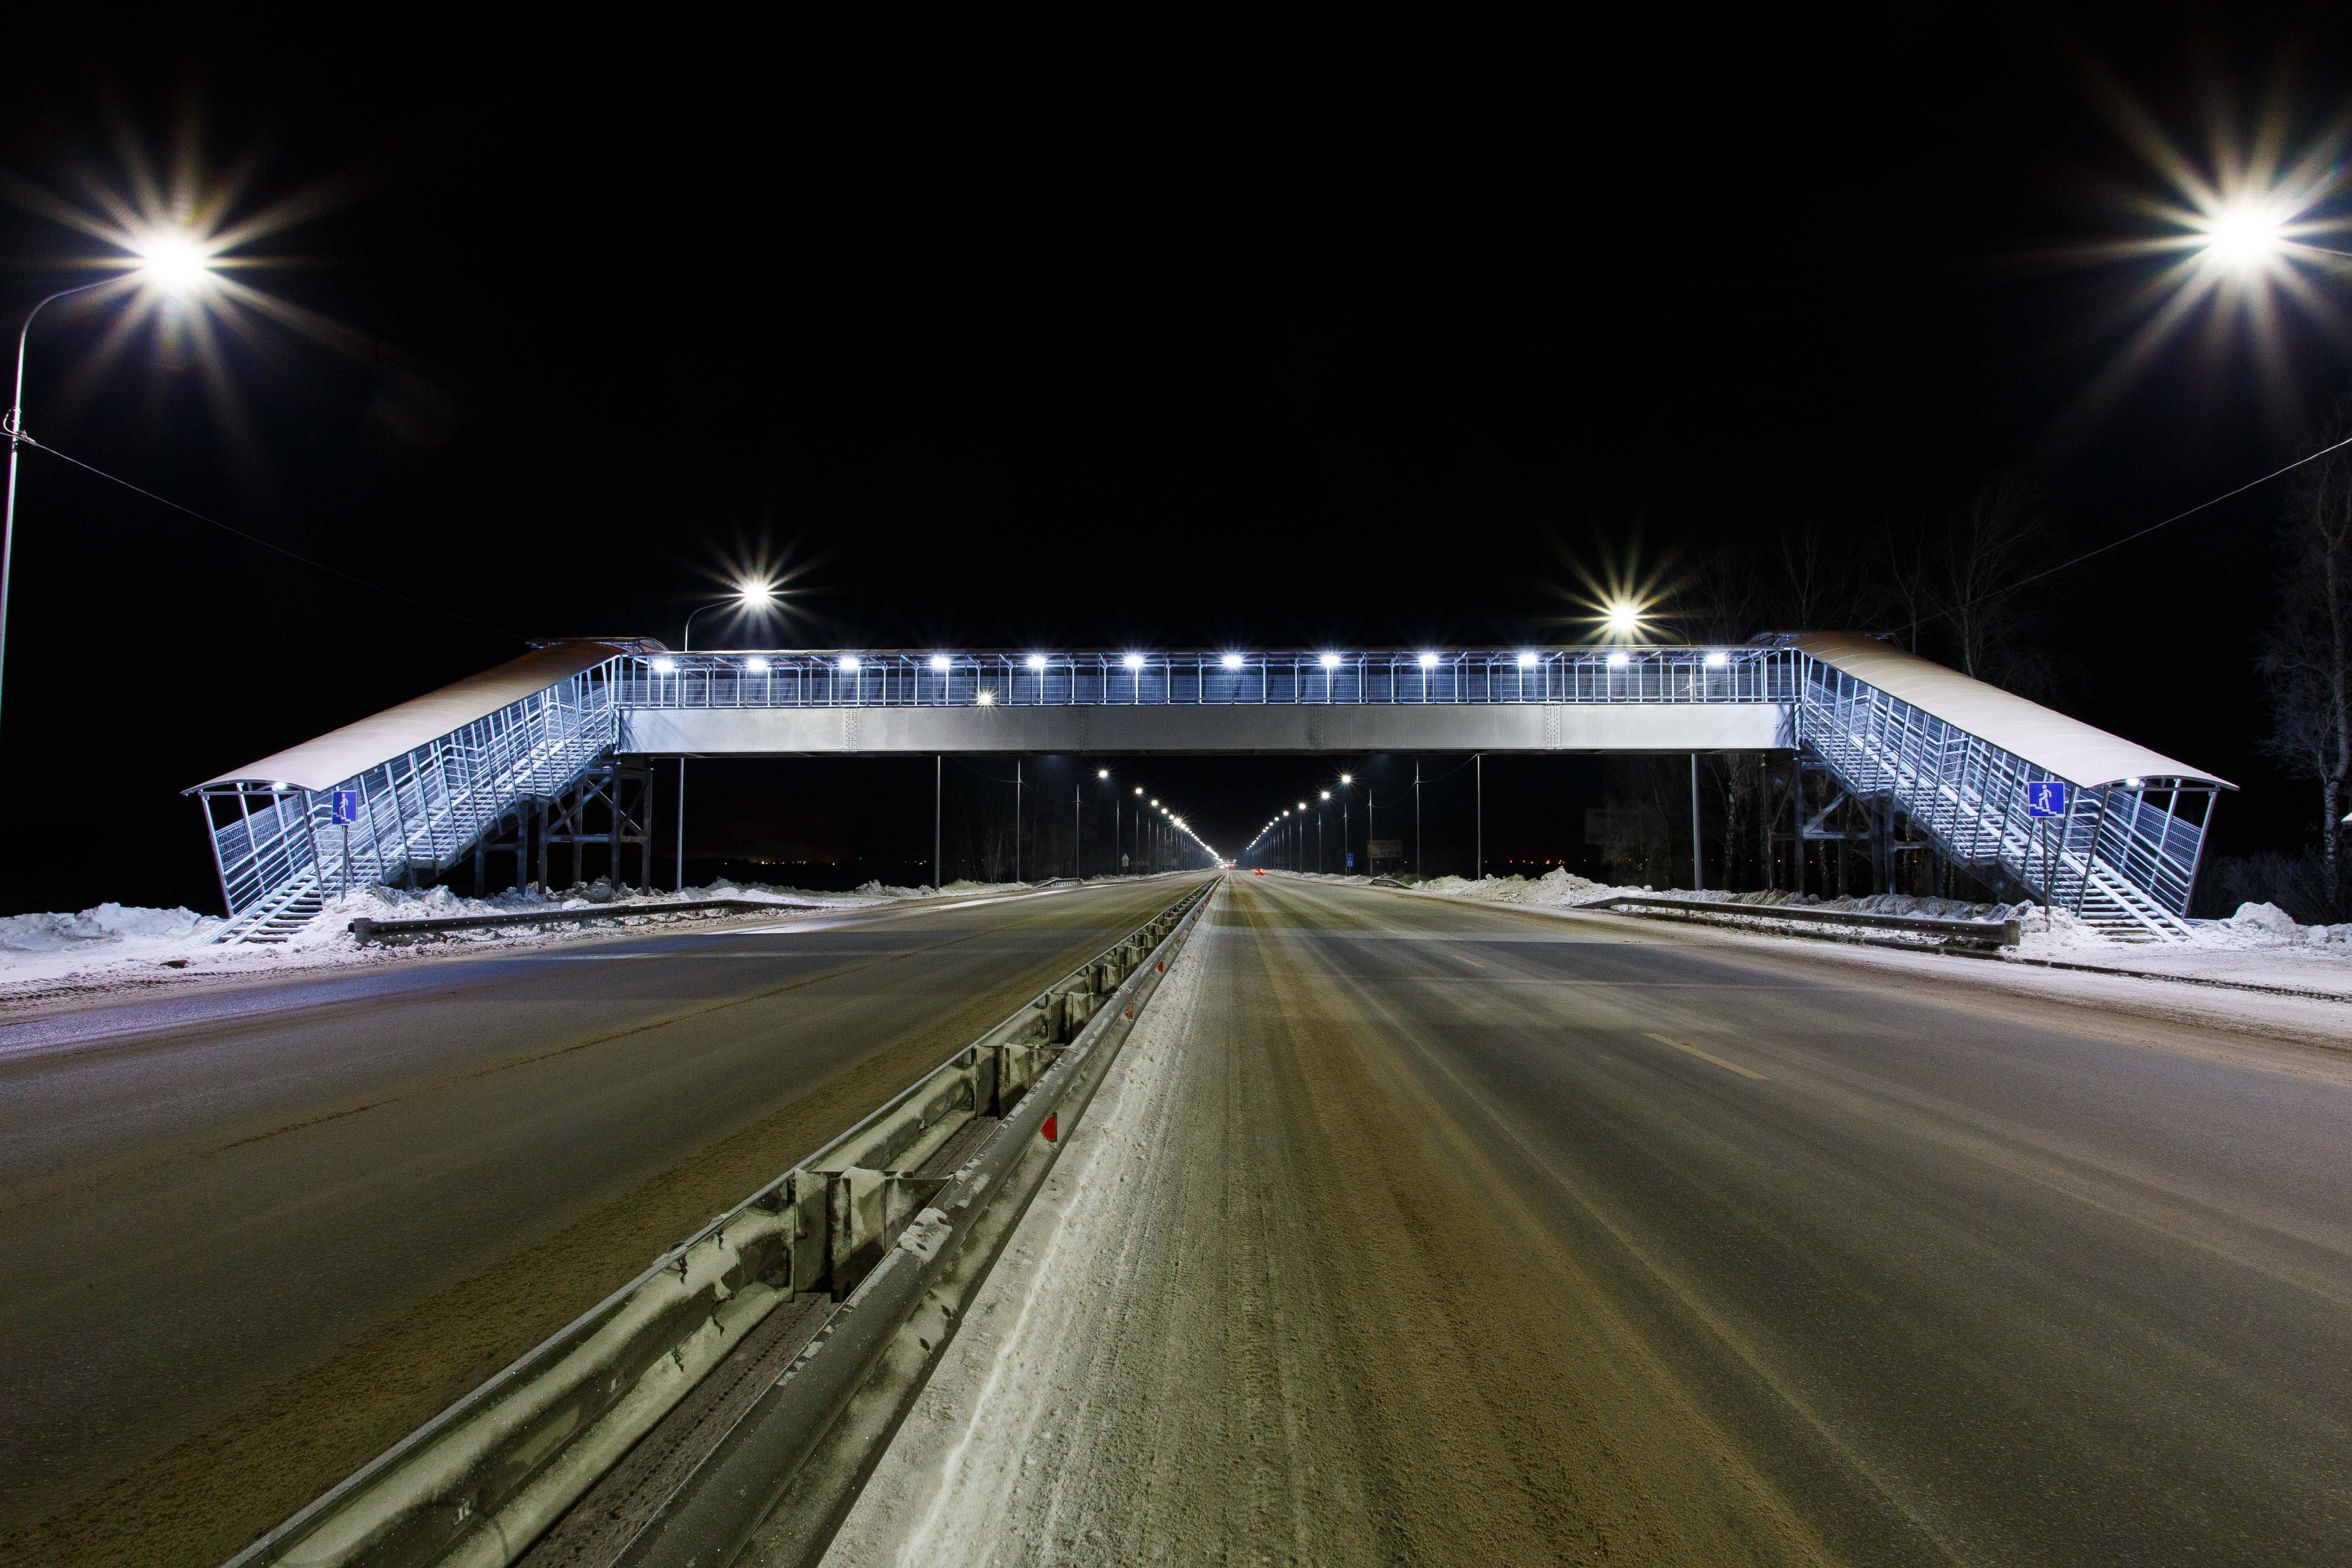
x,y
552,748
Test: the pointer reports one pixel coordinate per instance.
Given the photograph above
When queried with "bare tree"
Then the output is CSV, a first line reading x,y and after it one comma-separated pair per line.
x,y
2306,655
1992,541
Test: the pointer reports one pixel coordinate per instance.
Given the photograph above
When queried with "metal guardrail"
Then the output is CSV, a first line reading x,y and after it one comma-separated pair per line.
x,y
368,931
1996,933
804,1282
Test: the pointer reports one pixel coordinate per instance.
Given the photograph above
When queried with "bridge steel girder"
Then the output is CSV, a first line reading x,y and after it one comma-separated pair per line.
x,y
1209,730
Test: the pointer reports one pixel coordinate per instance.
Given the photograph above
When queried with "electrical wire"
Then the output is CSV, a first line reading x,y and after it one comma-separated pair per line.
x,y
265,544
2126,539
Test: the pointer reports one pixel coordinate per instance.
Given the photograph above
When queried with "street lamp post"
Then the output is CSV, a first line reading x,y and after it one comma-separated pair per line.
x,y
1345,780
173,265
747,596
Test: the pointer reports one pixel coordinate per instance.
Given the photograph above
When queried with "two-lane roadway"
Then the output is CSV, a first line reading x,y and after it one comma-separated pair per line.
x,y
1424,1231
253,1235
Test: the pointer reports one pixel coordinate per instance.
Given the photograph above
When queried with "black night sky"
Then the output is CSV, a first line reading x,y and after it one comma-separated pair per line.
x,y
1088,341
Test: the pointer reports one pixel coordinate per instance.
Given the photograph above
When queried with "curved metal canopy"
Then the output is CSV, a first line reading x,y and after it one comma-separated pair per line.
x,y
2068,748
350,751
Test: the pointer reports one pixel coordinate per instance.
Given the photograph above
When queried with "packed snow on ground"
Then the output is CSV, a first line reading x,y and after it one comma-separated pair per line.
x,y
111,943
2259,944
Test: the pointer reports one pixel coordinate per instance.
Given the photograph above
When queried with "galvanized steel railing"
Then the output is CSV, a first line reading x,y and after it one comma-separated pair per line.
x,y
419,812
2120,848
905,679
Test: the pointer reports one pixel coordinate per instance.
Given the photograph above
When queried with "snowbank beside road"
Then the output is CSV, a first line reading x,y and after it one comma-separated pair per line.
x,y
2261,945
110,946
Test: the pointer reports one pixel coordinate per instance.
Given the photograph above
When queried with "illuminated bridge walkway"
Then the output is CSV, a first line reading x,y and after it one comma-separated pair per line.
x,y
556,742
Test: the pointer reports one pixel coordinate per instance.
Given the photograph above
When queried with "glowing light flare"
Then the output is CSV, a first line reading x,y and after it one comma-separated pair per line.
x,y
1232,662
941,663
174,261
2243,236
2242,232
987,699
756,665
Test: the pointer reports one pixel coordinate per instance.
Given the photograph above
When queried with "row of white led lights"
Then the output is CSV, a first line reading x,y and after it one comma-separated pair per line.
x,y
849,663
1276,820
1176,820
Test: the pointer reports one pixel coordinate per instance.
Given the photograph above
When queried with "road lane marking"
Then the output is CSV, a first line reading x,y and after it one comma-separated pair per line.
x,y
1706,1057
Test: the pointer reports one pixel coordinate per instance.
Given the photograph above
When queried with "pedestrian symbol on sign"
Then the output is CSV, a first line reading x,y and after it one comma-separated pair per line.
x,y
347,806
2045,797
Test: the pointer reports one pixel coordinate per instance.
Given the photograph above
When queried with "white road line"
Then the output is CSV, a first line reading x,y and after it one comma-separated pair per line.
x,y
1707,1057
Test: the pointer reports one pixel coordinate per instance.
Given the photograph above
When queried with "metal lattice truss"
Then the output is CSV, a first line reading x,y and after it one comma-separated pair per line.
x,y
2125,850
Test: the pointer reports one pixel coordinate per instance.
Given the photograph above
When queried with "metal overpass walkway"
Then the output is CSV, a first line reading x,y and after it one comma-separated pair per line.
x,y
546,749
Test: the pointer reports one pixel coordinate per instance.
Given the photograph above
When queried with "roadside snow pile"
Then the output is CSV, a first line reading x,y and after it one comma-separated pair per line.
x,y
1562,886
107,931
2267,925
111,944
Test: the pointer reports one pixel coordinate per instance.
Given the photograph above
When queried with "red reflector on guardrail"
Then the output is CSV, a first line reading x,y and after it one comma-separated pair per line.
x,y
1162,966
1048,1128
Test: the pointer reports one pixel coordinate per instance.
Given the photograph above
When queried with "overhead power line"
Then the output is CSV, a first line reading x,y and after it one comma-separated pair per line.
x,y
265,544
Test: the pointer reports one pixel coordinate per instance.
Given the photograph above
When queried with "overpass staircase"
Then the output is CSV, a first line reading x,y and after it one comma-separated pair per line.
x,y
2122,858
415,816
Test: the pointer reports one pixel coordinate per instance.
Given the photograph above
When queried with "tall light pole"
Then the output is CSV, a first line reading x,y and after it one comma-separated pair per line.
x,y
1345,780
1103,775
172,264
1319,810
746,596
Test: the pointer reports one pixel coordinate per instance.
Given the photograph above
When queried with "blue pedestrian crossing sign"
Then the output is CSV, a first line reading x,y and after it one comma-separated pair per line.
x,y
347,806
2045,797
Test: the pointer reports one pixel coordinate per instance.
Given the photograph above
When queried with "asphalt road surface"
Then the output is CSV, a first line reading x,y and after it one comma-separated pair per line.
x,y
1422,1232
252,1235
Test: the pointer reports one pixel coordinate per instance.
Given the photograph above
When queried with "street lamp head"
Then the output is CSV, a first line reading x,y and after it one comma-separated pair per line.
x,y
1429,661
1330,662
1102,773
1327,794
1232,662
1133,661
1347,778
849,664
756,594
1038,661
1526,660
941,663
2242,236
756,665
174,262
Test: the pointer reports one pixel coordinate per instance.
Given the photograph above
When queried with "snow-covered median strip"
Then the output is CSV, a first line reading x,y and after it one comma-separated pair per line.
x,y
981,1469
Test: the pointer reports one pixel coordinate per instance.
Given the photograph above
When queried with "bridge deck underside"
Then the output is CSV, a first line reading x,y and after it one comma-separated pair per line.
x,y
1212,730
